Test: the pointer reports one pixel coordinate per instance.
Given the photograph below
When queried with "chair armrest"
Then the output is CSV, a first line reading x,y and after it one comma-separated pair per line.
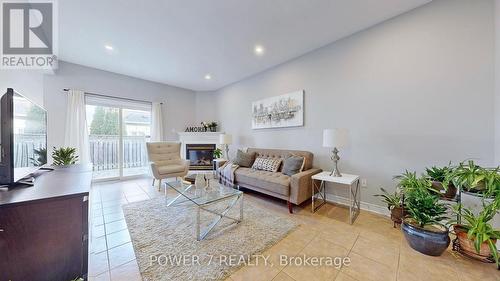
x,y
301,185
154,170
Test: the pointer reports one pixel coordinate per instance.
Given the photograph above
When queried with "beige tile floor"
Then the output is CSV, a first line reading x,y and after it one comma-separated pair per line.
x,y
376,250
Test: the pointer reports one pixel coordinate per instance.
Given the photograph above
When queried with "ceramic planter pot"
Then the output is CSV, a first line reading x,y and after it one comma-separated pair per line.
x,y
450,193
397,214
467,245
427,242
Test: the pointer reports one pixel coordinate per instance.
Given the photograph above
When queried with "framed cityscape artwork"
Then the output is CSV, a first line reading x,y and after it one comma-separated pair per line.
x,y
277,112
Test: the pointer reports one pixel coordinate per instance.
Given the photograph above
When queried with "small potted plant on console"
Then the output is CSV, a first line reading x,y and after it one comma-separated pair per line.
x,y
64,156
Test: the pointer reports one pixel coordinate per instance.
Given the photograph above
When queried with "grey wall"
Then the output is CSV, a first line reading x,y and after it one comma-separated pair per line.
x,y
206,108
497,82
415,91
27,82
177,102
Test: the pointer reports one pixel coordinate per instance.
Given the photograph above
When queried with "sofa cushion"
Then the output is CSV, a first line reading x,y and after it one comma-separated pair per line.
x,y
293,165
267,164
244,159
274,182
171,169
283,153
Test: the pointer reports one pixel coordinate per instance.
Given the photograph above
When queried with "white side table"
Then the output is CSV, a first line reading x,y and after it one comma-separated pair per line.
x,y
318,191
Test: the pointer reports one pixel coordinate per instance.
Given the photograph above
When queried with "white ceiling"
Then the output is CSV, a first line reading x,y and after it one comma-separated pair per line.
x,y
177,42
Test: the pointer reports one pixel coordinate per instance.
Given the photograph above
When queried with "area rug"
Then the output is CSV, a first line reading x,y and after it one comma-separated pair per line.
x,y
166,247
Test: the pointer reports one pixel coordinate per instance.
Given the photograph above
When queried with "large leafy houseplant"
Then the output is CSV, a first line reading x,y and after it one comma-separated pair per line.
x,y
422,227
424,208
476,235
64,156
409,181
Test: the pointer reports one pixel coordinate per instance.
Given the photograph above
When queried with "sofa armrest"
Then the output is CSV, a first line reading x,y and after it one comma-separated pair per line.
x,y
301,185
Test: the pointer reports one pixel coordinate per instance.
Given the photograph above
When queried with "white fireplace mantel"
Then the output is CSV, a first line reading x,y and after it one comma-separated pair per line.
x,y
197,137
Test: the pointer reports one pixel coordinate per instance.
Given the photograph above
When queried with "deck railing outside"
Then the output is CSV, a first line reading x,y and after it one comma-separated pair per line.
x,y
103,151
24,146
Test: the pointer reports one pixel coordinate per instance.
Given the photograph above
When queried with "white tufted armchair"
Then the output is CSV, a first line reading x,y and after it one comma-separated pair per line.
x,y
165,160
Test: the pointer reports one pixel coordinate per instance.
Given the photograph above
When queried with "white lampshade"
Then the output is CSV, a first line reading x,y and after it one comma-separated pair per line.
x,y
225,139
338,138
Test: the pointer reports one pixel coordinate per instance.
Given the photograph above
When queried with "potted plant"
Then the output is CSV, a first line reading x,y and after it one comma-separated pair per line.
x,y
467,176
64,156
492,183
409,180
438,175
41,157
394,204
422,227
217,153
209,126
212,126
476,235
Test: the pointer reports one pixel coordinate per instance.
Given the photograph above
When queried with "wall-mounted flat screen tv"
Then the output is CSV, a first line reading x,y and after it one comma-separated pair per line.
x,y
23,137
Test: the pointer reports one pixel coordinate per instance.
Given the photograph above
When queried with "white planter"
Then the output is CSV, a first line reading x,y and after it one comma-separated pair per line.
x,y
475,203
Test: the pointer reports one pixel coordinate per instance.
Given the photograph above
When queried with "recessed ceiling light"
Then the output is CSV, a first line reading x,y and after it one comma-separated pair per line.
x,y
208,77
108,47
259,50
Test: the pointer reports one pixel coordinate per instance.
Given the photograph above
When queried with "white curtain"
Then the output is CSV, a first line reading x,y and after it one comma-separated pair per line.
x,y
76,125
157,133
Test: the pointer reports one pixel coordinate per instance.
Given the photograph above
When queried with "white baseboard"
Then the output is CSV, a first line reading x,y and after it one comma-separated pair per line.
x,y
332,198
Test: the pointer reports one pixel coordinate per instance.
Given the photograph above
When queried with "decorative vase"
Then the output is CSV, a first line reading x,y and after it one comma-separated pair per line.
x,y
200,181
425,241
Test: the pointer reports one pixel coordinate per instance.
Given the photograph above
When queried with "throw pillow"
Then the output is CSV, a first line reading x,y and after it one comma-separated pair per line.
x,y
303,162
244,159
267,164
293,165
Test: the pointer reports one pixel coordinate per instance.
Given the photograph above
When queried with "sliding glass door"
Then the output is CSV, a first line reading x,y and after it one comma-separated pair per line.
x,y
118,132
104,140
136,132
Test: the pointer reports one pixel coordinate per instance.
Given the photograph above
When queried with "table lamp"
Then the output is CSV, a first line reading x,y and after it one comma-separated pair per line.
x,y
226,140
335,138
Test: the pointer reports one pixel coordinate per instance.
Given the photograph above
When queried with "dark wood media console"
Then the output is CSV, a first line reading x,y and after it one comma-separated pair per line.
x,y
44,228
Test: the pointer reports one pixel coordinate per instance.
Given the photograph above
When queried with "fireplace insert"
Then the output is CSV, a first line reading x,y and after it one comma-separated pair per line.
x,y
200,156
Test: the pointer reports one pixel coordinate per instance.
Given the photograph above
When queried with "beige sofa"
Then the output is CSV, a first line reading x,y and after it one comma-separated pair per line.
x,y
294,189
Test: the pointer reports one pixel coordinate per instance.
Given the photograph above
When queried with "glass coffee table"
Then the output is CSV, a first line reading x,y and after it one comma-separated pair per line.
x,y
203,197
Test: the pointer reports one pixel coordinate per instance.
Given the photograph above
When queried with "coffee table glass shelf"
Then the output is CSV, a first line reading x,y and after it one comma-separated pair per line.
x,y
205,196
